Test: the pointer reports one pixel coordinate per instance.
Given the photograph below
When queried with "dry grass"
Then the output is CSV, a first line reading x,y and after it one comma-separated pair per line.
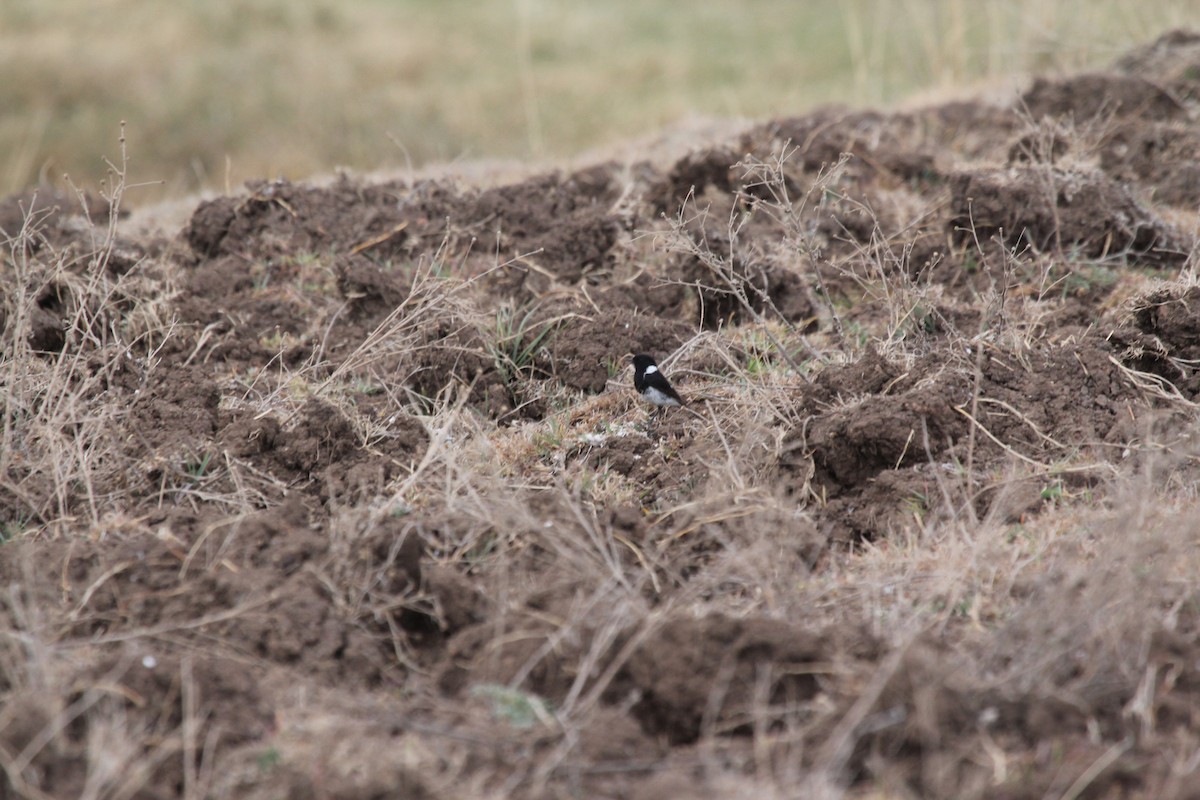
x,y
56,421
215,95
986,587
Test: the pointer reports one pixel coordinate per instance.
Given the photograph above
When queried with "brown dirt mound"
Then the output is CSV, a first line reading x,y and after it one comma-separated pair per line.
x,y
1161,158
560,223
875,430
684,691
1057,211
1085,96
1162,337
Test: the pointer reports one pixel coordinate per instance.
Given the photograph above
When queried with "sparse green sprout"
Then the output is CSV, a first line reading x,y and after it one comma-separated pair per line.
x,y
305,258
590,482
481,549
274,341
858,335
260,275
197,467
1086,279
1054,492
15,527
518,338
924,320
926,176
365,387
1017,533
521,710
268,759
916,504
548,439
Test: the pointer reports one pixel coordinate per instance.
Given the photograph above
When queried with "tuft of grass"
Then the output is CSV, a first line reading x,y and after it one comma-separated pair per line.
x,y
197,466
519,335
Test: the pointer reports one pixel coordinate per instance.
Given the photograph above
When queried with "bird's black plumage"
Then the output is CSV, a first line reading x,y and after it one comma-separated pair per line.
x,y
651,384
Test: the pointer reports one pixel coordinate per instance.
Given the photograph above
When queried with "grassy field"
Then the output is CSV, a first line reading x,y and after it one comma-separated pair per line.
x,y
215,94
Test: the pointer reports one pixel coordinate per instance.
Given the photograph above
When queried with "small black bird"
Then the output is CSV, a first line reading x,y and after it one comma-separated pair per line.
x,y
651,384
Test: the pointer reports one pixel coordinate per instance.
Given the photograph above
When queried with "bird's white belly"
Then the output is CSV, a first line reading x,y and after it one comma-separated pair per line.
x,y
656,397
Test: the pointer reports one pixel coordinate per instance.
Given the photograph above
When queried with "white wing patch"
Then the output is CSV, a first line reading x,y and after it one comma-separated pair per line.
x,y
651,369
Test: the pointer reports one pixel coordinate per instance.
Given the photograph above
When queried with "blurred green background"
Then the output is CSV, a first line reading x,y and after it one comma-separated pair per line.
x,y
218,92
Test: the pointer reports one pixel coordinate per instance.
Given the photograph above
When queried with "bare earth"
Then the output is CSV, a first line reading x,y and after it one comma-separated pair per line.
x,y
343,490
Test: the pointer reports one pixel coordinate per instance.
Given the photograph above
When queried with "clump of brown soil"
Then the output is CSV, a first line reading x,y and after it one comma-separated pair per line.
x,y
676,674
1050,210
1162,336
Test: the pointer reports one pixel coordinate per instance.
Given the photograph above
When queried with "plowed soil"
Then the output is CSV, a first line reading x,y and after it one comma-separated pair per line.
x,y
343,490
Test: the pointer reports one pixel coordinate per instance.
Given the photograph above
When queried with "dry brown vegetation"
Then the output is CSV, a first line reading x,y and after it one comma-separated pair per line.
x,y
341,491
